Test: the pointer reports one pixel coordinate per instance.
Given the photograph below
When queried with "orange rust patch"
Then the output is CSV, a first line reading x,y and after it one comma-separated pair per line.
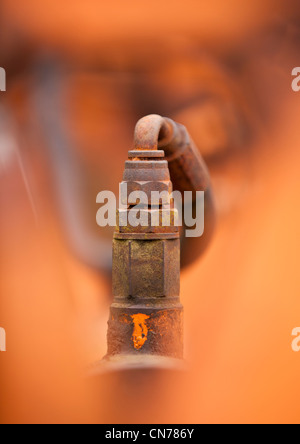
x,y
140,330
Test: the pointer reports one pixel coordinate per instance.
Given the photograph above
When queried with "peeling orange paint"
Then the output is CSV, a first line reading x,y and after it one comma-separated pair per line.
x,y
140,330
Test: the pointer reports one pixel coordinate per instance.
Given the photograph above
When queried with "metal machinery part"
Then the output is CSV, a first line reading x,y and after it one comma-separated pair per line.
x,y
146,316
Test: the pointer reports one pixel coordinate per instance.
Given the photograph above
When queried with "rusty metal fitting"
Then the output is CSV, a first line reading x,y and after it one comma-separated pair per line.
x,y
145,327
146,316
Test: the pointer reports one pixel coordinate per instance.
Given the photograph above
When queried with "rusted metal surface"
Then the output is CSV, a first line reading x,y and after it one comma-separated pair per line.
x,y
146,317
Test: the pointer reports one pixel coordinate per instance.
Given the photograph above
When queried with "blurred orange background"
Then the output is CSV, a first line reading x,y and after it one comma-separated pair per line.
x,y
79,76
